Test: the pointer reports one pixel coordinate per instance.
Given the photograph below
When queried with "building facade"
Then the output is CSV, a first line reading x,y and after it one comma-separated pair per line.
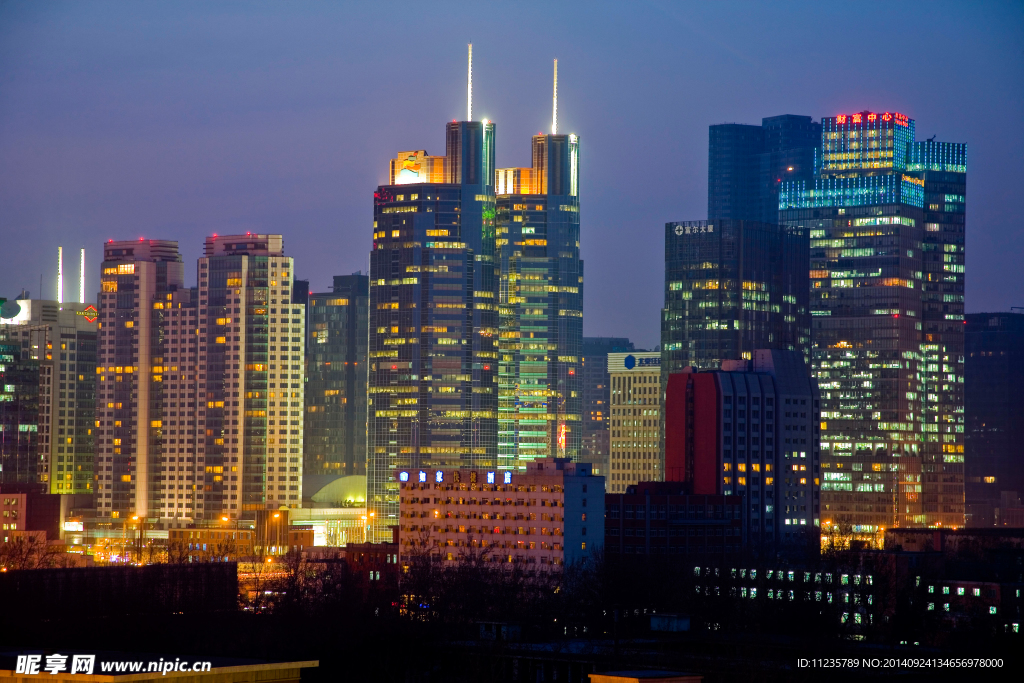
x,y
994,435
886,221
595,445
136,276
199,413
636,401
252,363
538,517
748,164
61,339
433,318
751,430
541,305
732,287
20,461
336,369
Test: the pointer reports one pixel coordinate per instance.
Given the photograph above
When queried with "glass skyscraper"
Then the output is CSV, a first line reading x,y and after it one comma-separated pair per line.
x,y
433,318
732,286
541,305
336,378
748,164
885,216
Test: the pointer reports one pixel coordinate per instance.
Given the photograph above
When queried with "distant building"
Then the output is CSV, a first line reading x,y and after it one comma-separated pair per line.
x,y
60,341
595,447
751,430
747,165
662,518
336,369
732,286
994,430
544,517
635,452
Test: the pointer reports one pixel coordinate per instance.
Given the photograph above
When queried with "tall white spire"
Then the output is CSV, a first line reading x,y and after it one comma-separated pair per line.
x,y
469,102
554,104
81,276
60,275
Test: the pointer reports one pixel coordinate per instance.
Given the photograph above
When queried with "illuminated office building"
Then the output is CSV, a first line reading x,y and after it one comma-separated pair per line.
x,y
61,340
433,317
540,385
885,216
732,286
636,400
336,369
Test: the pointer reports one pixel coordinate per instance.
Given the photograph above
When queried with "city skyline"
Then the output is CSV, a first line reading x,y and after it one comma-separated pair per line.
x,y
274,151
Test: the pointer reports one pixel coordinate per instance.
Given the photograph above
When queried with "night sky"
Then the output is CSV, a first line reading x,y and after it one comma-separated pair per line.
x,y
178,120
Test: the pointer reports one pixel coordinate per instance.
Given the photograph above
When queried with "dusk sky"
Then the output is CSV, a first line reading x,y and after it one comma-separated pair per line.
x,y
179,120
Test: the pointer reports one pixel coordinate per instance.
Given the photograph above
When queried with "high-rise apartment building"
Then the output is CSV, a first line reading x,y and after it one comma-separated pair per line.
x,y
885,216
433,317
200,390
541,306
595,444
636,400
61,339
751,430
336,369
252,358
994,434
732,286
748,164
138,279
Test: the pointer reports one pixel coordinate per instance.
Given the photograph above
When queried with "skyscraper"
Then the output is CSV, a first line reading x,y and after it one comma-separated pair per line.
x,y
252,358
137,280
732,286
200,391
886,219
597,399
541,305
61,339
747,165
994,435
433,340
336,378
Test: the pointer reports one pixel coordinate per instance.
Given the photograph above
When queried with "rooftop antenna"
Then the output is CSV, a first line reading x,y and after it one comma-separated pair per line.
x,y
60,275
554,104
81,276
469,103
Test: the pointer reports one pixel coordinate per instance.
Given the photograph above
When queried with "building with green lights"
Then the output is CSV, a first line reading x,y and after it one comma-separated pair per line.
x,y
540,380
885,215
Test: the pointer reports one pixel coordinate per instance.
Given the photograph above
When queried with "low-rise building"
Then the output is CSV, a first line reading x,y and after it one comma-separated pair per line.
x,y
539,517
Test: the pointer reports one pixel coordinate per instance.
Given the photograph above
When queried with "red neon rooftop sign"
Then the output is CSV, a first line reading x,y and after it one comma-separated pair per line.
x,y
872,118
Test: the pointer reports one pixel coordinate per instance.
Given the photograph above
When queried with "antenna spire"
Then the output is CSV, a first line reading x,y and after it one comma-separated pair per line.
x,y
81,276
554,104
60,275
469,107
